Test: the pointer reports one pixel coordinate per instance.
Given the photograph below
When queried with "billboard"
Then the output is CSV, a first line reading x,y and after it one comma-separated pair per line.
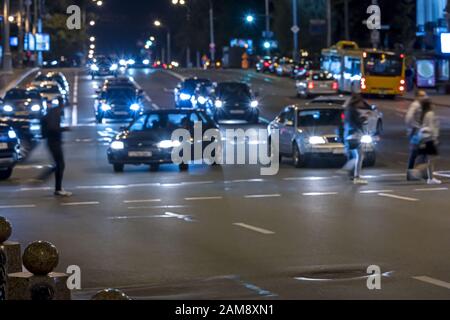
x,y
445,43
37,42
426,73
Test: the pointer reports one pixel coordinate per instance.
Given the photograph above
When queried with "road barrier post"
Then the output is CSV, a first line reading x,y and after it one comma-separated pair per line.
x,y
40,258
110,294
10,248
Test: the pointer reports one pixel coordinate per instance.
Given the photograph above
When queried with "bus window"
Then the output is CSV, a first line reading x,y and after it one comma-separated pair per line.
x,y
335,67
380,64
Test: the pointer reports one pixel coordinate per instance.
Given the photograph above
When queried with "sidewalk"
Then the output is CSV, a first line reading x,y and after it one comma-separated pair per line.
x,y
439,99
10,80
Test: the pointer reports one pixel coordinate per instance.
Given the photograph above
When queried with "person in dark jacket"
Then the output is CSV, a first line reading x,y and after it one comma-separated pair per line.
x,y
354,124
52,131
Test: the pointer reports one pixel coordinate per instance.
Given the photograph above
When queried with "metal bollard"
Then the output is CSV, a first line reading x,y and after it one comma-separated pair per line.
x,y
40,258
10,249
3,288
110,294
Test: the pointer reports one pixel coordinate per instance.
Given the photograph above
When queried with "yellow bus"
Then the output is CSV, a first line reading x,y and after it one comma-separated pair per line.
x,y
369,71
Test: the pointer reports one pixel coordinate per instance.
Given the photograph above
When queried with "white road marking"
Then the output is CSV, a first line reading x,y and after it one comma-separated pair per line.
x,y
393,175
18,206
142,201
253,228
35,189
309,178
75,102
158,207
244,180
320,193
251,196
431,189
375,191
433,281
165,215
87,203
445,174
203,198
388,195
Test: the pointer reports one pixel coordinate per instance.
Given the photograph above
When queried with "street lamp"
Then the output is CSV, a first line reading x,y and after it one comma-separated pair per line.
x,y
158,24
92,39
250,18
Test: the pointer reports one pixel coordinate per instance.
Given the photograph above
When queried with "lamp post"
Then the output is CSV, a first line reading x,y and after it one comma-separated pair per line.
x,y
212,45
158,24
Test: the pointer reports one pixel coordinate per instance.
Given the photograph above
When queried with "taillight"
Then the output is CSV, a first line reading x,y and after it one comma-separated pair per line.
x,y
401,88
335,85
343,116
363,84
402,82
266,64
310,85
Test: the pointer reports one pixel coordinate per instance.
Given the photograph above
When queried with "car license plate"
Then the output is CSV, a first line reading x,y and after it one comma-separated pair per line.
x,y
3,146
237,111
140,154
324,85
22,113
121,113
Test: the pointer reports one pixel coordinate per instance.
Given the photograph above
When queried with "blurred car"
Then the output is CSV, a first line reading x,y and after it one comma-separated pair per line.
x,y
141,63
158,64
52,92
23,103
120,81
370,111
315,131
185,91
148,140
118,102
300,69
202,96
52,76
9,151
103,66
285,67
316,83
235,101
263,65
27,130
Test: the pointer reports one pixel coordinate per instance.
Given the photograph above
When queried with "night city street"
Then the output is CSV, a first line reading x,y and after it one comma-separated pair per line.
x,y
161,231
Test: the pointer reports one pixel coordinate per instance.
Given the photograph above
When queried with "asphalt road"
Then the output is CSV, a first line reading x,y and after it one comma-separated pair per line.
x,y
228,232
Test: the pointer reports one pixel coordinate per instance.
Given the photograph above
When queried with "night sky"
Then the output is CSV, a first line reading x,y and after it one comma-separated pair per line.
x,y
122,23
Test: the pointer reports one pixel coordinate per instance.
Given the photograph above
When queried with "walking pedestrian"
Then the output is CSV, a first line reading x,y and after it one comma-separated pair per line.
x,y
426,139
354,124
413,124
52,131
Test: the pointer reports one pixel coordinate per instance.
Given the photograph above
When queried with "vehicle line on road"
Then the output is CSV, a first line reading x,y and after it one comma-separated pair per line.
x,y
75,102
18,206
256,196
314,194
203,198
430,189
253,228
393,196
142,201
86,203
433,281
375,191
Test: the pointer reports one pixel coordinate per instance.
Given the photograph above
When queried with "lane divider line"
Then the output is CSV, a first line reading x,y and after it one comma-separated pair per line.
x,y
320,193
433,281
431,189
253,228
142,201
375,191
18,206
252,196
393,196
203,198
87,203
75,102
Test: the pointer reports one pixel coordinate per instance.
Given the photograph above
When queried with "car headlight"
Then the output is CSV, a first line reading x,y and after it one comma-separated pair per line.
x,y
123,62
64,92
366,139
8,108
135,107
165,144
218,103
35,108
94,67
317,140
105,107
12,134
254,104
131,62
202,100
117,145
185,96
146,62
55,102
113,67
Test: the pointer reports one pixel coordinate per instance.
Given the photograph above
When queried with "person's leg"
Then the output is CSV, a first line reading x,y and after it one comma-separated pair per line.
x,y
359,155
412,157
58,157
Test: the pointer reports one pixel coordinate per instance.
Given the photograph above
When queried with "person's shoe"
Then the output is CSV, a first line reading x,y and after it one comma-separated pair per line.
x,y
360,181
414,175
63,193
434,181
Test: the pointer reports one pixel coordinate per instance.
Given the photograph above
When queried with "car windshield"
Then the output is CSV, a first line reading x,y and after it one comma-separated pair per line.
x,y
233,90
119,93
170,121
190,85
21,95
381,64
321,117
49,89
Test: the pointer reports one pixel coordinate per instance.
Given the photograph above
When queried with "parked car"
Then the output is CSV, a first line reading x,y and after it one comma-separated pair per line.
x,y
314,131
